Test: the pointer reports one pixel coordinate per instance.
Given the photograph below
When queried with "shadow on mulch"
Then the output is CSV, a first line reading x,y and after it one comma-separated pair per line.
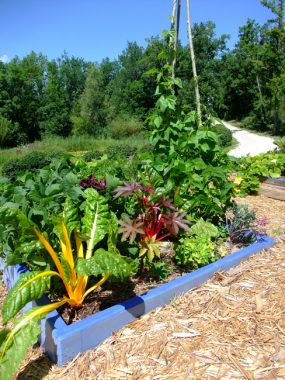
x,y
36,369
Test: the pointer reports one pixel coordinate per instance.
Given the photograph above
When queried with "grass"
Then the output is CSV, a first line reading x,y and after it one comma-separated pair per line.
x,y
76,145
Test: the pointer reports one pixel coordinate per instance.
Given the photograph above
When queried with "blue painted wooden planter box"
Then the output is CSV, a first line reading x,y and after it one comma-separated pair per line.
x,y
62,342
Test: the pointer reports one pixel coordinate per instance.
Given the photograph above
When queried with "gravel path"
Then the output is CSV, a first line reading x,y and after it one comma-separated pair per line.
x,y
249,143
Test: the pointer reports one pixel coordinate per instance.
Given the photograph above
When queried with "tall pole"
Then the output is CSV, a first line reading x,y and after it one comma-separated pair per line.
x,y
197,93
175,21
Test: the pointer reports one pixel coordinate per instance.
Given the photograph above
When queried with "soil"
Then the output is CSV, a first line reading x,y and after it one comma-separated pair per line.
x,y
111,294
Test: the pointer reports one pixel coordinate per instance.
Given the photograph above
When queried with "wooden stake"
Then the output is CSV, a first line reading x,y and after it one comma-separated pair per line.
x,y
197,93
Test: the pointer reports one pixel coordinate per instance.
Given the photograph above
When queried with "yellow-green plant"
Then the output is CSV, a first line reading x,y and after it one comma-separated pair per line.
x,y
75,262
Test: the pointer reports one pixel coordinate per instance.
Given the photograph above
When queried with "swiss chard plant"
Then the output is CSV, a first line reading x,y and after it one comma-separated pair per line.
x,y
154,218
82,254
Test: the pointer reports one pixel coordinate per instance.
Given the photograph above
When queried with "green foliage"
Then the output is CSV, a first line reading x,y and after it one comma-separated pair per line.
x,y
40,196
250,170
5,127
104,262
241,224
120,150
123,127
91,229
30,162
187,161
243,217
224,134
14,344
204,228
92,155
280,144
197,247
194,252
159,270
20,295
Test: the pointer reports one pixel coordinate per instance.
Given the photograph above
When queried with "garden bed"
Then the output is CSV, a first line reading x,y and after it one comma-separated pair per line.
x,y
62,342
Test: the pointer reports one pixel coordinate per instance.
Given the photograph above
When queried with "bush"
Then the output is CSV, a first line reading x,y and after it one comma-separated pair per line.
x,y
280,144
250,170
224,134
121,150
11,134
30,162
122,127
92,155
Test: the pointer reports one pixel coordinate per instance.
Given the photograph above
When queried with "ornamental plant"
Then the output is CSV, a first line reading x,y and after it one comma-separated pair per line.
x,y
198,248
80,256
154,218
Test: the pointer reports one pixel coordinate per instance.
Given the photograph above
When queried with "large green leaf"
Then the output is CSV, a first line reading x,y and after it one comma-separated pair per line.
x,y
14,344
95,223
20,295
104,262
113,232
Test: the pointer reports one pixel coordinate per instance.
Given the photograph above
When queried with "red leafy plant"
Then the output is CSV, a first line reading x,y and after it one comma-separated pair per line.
x,y
155,219
93,182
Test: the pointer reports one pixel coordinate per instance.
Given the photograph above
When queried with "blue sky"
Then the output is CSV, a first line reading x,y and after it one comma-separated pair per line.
x,y
94,29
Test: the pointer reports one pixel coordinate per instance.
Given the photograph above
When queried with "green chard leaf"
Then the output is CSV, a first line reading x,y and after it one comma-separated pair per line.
x,y
96,220
14,344
104,262
21,294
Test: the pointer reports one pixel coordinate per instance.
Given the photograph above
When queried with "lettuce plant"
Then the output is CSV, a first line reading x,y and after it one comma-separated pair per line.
x,y
79,258
155,218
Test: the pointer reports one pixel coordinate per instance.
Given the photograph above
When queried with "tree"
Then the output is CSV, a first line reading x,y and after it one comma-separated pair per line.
x,y
64,84
275,39
92,103
21,96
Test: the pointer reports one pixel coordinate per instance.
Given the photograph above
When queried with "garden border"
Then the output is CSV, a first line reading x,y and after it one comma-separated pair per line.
x,y
63,342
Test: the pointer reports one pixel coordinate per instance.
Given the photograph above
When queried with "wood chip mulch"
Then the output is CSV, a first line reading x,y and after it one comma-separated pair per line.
x,y
231,327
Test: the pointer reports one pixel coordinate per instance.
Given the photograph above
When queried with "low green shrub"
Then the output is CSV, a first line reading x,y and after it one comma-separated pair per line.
x,y
250,170
241,224
30,162
11,134
92,155
121,150
198,248
224,134
280,144
122,127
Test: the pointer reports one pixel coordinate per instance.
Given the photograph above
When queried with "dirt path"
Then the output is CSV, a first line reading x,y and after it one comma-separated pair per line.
x,y
249,143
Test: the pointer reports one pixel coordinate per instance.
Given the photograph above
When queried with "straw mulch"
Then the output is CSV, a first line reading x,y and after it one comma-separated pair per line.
x,y
232,327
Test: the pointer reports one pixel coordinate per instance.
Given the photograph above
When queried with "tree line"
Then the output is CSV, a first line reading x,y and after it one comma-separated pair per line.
x,y
69,95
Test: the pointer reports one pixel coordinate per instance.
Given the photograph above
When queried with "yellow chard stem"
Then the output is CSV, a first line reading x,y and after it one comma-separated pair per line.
x,y
67,253
56,261
41,310
79,245
99,283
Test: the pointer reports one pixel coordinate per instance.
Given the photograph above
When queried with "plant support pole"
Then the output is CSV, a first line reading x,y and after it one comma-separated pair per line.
x,y
175,21
197,93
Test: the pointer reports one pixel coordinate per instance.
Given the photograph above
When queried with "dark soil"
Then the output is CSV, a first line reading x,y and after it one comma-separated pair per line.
x,y
111,294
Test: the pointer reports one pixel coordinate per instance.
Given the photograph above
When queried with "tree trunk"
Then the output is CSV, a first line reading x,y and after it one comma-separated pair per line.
x,y
192,53
261,101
